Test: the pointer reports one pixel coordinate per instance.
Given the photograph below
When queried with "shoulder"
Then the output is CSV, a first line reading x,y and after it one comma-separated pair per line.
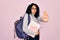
x,y
25,15
38,17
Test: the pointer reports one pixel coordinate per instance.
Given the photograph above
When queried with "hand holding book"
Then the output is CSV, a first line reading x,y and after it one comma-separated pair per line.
x,y
34,27
37,33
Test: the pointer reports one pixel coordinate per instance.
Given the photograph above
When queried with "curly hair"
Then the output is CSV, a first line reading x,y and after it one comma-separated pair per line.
x,y
28,11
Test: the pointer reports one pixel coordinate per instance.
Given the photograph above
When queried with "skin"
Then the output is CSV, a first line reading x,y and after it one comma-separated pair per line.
x,y
44,17
33,9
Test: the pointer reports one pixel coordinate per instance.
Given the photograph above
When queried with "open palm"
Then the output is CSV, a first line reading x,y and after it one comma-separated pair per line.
x,y
45,16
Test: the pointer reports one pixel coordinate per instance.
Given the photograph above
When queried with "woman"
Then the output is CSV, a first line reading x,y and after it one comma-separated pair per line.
x,y
33,11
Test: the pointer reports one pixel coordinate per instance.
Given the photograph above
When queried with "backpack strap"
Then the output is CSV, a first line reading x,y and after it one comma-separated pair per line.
x,y
28,19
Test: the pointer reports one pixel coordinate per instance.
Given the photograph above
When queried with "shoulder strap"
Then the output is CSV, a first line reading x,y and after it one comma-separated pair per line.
x,y
28,19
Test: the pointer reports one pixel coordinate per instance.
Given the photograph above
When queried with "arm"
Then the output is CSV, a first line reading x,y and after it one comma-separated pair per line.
x,y
40,19
25,27
44,18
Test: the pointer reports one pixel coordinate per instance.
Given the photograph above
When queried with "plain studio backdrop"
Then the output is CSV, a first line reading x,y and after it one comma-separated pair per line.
x,y
11,10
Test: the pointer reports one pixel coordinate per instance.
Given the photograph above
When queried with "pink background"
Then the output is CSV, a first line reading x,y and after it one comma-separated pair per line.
x,y
11,10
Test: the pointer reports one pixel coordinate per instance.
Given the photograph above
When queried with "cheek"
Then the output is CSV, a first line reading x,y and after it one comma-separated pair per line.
x,y
33,10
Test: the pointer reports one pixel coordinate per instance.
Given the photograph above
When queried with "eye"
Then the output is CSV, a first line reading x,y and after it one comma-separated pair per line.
x,y
33,8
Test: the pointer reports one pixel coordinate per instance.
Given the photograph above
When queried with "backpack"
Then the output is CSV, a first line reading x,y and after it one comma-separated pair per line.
x,y
19,28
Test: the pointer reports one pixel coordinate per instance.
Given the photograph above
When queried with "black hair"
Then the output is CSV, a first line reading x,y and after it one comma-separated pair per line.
x,y
28,11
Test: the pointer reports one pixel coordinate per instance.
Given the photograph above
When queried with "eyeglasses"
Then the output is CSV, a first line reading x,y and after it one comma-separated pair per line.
x,y
34,8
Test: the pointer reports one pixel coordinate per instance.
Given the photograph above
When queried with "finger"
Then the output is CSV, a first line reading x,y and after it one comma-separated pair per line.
x,y
45,13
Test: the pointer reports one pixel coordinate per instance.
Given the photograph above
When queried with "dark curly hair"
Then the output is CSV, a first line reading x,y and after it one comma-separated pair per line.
x,y
28,11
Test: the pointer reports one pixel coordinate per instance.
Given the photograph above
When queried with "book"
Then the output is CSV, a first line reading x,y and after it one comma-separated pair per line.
x,y
34,27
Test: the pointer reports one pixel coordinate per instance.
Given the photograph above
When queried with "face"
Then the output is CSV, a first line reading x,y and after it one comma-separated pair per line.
x,y
33,9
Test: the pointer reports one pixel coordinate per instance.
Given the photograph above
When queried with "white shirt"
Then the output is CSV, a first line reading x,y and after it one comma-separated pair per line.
x,y
25,23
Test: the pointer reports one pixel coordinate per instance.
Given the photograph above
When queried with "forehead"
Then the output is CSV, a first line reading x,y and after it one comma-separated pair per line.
x,y
33,6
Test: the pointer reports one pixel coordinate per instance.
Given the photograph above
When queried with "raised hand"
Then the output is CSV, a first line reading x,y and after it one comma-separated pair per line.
x,y
45,16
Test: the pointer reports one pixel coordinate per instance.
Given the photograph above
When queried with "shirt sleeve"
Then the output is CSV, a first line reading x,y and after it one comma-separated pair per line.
x,y
25,26
40,19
